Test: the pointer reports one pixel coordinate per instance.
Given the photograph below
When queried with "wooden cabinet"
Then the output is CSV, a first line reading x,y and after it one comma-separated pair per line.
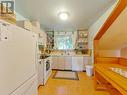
x,y
68,63
77,63
9,17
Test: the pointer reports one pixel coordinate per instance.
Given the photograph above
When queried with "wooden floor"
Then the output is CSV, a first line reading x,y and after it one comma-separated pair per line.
x,y
83,86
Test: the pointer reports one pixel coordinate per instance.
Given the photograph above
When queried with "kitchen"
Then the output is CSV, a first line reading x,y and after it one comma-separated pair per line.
x,y
64,48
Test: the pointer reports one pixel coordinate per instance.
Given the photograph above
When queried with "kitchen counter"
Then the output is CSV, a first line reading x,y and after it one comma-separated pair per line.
x,y
79,55
70,54
117,81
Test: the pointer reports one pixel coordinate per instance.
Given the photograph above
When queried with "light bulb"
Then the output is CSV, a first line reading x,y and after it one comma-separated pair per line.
x,y
63,15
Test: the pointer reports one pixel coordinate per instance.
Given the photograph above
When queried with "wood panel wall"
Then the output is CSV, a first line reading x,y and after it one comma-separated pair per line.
x,y
123,61
111,60
116,12
107,60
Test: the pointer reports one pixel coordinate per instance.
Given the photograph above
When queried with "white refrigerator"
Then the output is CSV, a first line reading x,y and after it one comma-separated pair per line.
x,y
18,75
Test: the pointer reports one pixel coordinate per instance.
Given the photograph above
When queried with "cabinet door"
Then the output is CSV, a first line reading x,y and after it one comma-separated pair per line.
x,y
80,63
85,61
68,63
61,63
42,38
77,63
54,63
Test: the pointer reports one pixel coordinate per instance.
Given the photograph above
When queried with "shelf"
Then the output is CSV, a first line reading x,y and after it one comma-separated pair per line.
x,y
50,39
82,39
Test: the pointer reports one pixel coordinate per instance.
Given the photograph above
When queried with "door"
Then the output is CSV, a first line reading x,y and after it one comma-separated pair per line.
x,y
68,63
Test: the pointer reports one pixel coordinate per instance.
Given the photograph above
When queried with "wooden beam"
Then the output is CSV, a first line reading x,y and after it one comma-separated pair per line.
x,y
116,12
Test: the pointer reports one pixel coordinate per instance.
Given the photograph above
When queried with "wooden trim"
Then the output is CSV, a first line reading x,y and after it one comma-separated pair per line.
x,y
123,61
108,57
111,60
107,60
122,58
116,12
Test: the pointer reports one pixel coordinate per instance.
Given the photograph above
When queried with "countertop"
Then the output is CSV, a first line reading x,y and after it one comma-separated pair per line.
x,y
118,81
71,55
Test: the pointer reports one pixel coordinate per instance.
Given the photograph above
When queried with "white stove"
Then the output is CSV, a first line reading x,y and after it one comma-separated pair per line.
x,y
44,70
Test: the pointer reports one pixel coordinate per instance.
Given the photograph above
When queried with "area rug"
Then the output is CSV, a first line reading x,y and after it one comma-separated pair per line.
x,y
71,75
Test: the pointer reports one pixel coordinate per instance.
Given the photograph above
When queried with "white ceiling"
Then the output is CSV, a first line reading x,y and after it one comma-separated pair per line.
x,y
116,35
82,12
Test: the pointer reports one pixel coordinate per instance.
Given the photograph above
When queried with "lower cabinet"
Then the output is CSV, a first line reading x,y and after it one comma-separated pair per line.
x,y
77,64
54,62
68,63
60,63
86,60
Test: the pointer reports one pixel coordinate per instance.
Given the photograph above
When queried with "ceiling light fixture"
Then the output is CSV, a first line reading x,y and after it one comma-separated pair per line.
x,y
63,15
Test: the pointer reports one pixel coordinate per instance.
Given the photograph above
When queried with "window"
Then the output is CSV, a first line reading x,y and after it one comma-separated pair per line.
x,y
64,42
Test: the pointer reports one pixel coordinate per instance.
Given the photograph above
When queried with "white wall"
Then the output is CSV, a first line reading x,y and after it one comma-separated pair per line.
x,y
96,27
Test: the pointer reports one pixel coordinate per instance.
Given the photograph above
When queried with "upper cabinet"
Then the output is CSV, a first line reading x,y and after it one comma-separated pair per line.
x,y
34,26
26,24
82,42
42,38
6,13
82,39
